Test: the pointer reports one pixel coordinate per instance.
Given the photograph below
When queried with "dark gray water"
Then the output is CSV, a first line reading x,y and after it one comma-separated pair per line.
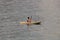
x,y
14,11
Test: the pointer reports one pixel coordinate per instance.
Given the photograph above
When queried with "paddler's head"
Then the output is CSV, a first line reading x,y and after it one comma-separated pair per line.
x,y
28,17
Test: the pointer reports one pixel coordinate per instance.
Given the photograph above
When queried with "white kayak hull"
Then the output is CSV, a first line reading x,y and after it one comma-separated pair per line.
x,y
36,23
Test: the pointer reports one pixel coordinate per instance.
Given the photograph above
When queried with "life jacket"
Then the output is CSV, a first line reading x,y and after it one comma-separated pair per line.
x,y
29,20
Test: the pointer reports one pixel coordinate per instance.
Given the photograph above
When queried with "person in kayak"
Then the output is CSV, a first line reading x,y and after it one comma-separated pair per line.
x,y
29,20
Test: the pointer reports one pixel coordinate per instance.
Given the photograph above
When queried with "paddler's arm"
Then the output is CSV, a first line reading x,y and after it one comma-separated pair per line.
x,y
31,17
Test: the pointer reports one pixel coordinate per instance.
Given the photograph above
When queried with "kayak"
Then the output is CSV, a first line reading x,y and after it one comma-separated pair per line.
x,y
36,23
